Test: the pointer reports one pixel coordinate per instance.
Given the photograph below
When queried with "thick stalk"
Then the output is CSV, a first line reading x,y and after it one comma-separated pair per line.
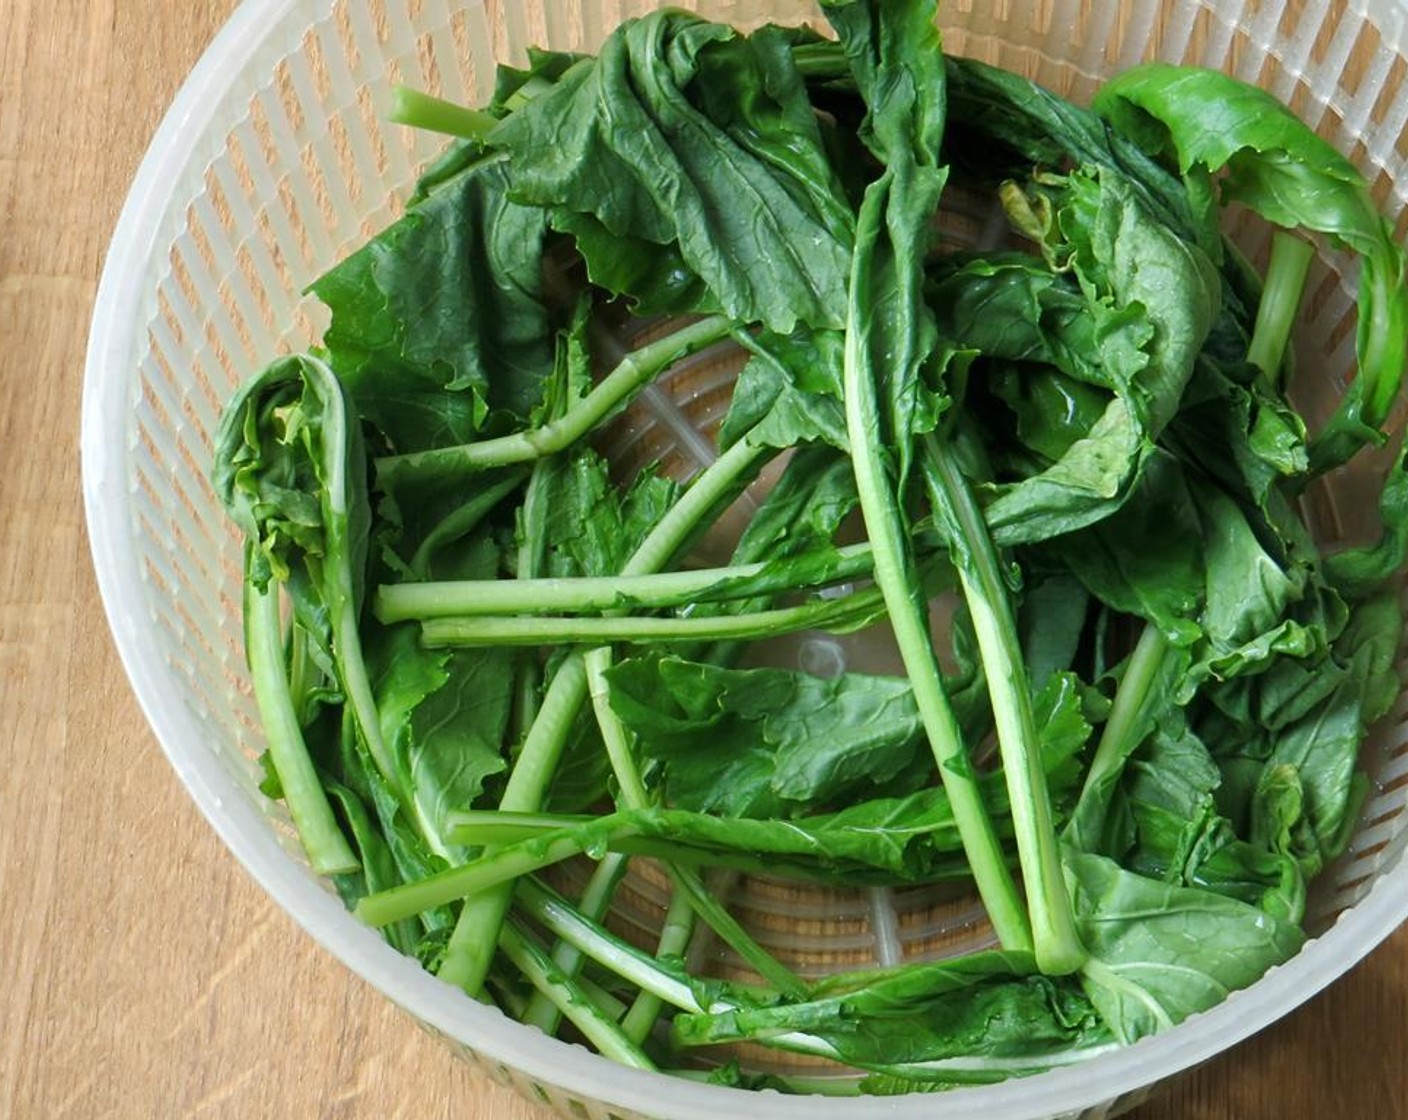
x,y
1122,733
542,1012
532,557
836,615
480,876
656,840
894,569
1057,945
674,941
717,917
403,602
672,985
1276,316
635,371
307,801
569,998
419,110
471,948
647,973
630,784
416,109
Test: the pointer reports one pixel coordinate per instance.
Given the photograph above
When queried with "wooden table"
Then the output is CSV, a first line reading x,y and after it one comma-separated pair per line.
x,y
142,974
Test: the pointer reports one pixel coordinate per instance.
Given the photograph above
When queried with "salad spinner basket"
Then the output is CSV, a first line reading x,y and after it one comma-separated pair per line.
x,y
276,160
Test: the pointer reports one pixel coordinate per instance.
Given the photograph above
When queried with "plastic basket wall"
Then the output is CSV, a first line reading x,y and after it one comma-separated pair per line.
x,y
275,161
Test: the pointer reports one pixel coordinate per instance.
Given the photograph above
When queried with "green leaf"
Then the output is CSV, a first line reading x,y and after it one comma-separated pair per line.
x,y
592,527
441,318
927,1022
1147,559
790,392
1277,166
654,278
444,717
735,175
1160,953
1361,571
1151,299
765,742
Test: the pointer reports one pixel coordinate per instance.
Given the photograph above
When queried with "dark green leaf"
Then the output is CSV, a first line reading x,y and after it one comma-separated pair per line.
x,y
441,318
1160,953
736,176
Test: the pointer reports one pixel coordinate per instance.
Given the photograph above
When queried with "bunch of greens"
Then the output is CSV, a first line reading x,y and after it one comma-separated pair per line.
x,y
479,650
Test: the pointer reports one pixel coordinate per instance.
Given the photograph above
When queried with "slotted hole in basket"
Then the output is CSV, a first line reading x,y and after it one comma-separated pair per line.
x,y
180,511
468,53
317,66
229,259
351,177
1021,60
287,98
1390,92
180,629
1245,57
306,198
196,573
196,423
164,431
431,81
1400,141
187,402
214,392
1400,782
347,39
1367,45
194,262
256,286
1344,329
380,22
326,211
169,319
1300,99
1210,40
1195,50
284,217
1387,806
369,124
1382,188
1291,24
263,264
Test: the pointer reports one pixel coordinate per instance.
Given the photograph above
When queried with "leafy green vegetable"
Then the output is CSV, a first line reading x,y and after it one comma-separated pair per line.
x,y
916,1021
1041,457
443,716
1278,167
685,133
441,319
1150,965
896,61
765,742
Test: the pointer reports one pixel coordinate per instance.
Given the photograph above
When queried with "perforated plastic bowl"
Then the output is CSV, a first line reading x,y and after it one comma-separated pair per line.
x,y
274,160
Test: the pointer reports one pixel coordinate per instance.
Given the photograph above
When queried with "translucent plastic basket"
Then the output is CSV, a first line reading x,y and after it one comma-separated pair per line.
x,y
274,161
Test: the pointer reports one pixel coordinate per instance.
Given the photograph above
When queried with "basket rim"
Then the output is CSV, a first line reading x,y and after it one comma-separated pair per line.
x,y
109,380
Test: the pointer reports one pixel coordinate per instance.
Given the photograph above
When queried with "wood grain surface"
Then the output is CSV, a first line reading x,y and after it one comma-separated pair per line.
x,y
142,974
